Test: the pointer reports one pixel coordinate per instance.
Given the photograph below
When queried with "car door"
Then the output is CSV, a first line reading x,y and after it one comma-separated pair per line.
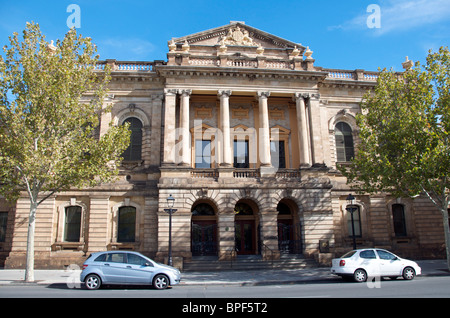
x,y
139,269
389,263
114,268
369,261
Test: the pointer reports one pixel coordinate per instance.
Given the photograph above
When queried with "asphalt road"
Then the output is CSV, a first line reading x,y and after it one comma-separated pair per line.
x,y
420,287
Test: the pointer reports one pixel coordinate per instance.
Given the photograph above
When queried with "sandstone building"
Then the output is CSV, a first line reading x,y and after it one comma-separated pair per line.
x,y
244,130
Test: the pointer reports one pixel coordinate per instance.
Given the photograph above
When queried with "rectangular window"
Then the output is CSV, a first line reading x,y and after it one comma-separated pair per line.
x,y
277,153
241,158
203,154
72,225
356,221
127,224
3,223
398,215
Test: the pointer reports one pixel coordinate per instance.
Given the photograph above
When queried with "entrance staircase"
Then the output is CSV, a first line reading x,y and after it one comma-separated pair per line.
x,y
247,262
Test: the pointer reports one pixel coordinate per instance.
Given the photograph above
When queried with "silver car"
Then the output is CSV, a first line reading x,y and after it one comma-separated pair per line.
x,y
126,268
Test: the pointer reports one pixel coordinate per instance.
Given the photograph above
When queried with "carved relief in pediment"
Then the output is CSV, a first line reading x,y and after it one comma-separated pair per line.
x,y
237,36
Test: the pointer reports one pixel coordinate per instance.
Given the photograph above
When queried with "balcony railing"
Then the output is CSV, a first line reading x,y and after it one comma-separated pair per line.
x,y
245,173
128,66
353,75
204,173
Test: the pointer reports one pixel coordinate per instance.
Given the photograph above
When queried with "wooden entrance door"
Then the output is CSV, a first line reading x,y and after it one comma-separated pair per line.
x,y
204,238
245,237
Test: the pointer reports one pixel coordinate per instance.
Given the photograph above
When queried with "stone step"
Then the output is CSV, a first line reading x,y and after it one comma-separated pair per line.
x,y
247,262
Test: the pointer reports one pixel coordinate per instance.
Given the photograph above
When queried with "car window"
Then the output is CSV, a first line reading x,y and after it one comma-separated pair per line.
x,y
386,255
100,258
115,257
136,259
367,254
348,254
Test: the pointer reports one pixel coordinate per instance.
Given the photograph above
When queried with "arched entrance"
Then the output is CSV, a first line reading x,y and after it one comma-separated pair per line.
x,y
289,228
245,228
203,230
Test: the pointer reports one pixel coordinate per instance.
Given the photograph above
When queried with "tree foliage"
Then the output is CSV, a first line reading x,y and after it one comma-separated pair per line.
x,y
51,99
404,130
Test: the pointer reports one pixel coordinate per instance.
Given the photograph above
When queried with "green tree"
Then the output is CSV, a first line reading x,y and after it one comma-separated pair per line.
x,y
404,130
51,100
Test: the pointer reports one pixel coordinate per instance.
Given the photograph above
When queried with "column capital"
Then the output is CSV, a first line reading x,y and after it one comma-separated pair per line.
x,y
170,91
298,95
264,94
306,95
224,92
184,92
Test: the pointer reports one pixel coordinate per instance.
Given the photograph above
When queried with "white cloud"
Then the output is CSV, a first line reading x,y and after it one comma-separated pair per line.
x,y
401,15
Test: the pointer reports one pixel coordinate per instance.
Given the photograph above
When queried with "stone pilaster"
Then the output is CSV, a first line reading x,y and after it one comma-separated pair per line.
x,y
184,128
169,127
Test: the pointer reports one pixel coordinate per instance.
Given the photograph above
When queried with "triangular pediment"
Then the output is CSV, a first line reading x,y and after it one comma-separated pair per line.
x,y
237,34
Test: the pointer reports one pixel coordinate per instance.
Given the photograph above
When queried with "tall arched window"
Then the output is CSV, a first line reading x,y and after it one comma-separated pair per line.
x,y
134,150
126,231
344,142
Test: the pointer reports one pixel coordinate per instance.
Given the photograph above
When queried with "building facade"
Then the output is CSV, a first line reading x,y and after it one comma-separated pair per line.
x,y
244,131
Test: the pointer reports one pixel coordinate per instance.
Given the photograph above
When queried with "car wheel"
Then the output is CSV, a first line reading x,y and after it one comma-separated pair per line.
x,y
161,281
360,275
93,281
409,273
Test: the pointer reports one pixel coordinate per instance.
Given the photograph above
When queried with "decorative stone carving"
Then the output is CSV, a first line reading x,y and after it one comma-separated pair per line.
x,y
407,64
260,50
236,36
172,46
308,53
185,46
295,52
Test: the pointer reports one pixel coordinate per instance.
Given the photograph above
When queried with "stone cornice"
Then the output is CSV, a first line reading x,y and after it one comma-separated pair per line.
x,y
252,73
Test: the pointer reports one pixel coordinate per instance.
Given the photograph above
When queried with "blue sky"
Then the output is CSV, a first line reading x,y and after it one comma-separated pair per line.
x,y
336,31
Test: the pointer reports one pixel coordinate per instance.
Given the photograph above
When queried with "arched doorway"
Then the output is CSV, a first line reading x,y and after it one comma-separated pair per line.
x,y
203,230
245,228
289,228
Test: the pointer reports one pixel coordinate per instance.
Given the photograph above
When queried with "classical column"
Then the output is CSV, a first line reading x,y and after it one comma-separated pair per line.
x,y
264,131
302,130
224,96
184,128
169,127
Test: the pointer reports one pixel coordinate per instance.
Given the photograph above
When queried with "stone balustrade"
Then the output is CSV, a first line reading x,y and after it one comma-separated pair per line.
x,y
238,62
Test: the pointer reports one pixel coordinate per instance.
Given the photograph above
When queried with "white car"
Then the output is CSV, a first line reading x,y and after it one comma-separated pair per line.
x,y
373,262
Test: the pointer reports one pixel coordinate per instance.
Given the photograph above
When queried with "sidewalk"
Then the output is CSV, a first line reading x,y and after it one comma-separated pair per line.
x,y
227,277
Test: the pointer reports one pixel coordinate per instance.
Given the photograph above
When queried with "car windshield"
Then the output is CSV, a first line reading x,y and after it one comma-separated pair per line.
x,y
348,254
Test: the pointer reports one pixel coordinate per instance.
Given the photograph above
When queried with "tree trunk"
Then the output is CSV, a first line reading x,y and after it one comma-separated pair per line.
x,y
29,271
446,234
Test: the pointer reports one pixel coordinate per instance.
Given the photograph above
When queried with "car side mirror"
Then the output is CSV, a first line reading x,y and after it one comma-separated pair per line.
x,y
148,264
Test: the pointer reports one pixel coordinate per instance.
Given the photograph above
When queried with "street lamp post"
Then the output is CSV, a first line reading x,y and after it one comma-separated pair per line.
x,y
350,202
170,211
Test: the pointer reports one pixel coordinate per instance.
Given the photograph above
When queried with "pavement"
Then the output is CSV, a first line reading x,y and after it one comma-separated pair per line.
x,y
71,277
